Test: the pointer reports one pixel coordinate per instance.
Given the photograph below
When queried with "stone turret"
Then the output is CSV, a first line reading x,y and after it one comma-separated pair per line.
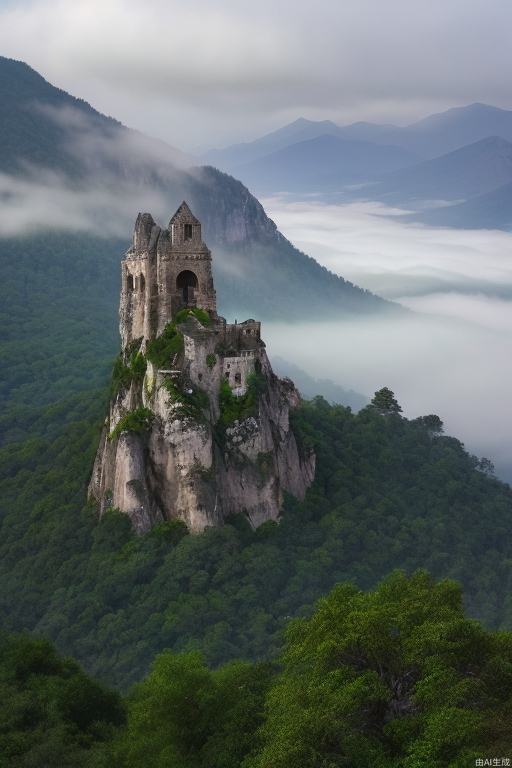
x,y
198,427
164,271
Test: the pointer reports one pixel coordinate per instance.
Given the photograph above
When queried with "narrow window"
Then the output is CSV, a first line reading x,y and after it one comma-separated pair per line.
x,y
238,379
129,283
142,283
188,231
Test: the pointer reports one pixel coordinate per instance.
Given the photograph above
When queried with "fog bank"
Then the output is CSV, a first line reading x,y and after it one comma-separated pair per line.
x,y
453,358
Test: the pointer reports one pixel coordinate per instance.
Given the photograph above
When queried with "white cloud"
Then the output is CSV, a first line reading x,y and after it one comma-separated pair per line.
x,y
211,72
453,358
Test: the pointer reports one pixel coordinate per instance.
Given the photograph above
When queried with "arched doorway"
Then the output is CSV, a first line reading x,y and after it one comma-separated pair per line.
x,y
186,283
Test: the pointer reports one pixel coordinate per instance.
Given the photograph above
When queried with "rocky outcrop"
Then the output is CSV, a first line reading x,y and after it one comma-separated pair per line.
x,y
186,459
198,426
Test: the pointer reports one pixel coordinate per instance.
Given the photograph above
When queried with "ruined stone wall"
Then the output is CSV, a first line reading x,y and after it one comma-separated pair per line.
x,y
235,370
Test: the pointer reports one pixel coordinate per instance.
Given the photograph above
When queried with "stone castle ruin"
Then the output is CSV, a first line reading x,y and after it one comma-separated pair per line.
x,y
198,425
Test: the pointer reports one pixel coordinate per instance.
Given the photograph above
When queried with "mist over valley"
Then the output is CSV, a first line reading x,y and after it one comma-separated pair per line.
x,y
452,356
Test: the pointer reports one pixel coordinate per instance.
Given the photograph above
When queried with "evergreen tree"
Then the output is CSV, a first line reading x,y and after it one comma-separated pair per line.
x,y
385,403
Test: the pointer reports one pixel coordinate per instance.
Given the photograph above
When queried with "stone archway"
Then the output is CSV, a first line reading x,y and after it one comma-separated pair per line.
x,y
187,283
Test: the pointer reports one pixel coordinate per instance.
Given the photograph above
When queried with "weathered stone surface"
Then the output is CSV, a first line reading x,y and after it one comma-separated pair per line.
x,y
187,464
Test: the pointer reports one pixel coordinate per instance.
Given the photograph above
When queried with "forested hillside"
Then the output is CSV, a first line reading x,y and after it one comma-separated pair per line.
x,y
388,493
395,678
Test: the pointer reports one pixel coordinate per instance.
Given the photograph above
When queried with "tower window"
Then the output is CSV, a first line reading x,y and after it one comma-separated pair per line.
x,y
142,283
129,283
238,379
188,232
186,283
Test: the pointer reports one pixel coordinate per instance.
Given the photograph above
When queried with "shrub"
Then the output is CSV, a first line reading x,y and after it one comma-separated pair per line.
x,y
200,314
137,420
191,404
211,360
233,408
161,350
124,373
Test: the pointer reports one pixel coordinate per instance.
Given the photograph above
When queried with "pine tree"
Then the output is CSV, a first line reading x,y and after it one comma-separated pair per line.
x,y
385,403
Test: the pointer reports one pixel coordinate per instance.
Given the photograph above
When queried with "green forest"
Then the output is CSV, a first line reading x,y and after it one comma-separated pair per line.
x,y
388,493
225,613
369,628
397,677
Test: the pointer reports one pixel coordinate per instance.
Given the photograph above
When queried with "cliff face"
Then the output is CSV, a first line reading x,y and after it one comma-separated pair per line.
x,y
198,424
187,458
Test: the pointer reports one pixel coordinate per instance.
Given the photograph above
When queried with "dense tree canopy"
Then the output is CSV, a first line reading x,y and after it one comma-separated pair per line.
x,y
388,493
393,678
51,714
397,678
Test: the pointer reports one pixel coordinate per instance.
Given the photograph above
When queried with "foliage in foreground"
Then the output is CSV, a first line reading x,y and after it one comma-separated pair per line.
x,y
394,678
51,713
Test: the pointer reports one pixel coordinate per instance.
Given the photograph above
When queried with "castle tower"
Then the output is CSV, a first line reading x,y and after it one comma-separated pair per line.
x,y
202,431
164,271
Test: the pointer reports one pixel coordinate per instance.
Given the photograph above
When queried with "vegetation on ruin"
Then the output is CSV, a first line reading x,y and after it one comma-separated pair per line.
x,y
239,407
211,360
161,350
192,404
123,373
138,420
200,314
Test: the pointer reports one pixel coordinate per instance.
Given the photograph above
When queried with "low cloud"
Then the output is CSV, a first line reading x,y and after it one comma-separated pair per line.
x,y
209,73
453,357
48,202
117,173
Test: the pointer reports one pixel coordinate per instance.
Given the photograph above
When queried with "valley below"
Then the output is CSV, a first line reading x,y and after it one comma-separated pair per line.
x,y
451,355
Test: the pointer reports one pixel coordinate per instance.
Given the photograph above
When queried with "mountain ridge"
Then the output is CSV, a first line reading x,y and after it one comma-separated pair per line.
x,y
257,265
471,170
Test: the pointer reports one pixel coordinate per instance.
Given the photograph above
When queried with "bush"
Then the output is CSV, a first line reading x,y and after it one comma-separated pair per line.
x,y
124,373
161,350
200,314
192,404
137,420
233,408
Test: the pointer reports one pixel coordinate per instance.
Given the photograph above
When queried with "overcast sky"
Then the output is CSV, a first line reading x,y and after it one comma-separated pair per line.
x,y
210,72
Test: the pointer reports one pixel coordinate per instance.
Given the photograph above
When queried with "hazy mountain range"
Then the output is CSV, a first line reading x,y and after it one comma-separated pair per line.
x,y
66,167
462,156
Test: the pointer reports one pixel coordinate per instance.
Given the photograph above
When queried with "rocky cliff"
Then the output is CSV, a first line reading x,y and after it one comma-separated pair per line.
x,y
198,425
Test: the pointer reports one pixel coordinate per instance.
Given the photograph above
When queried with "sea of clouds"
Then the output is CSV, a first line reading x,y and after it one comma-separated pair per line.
x,y
451,356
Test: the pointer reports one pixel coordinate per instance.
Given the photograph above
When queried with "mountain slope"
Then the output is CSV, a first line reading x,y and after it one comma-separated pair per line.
x,y
321,164
472,170
490,211
427,138
446,131
97,159
40,124
238,154
388,494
